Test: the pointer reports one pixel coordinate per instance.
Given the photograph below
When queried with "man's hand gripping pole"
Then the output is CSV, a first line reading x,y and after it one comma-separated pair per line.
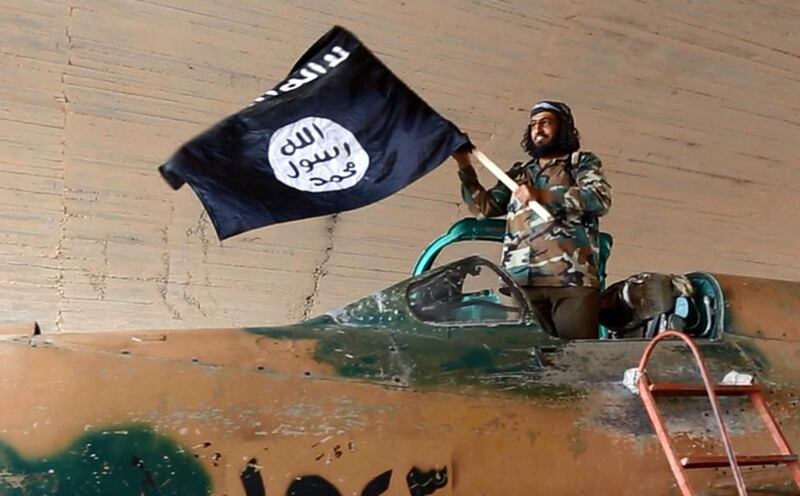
x,y
537,207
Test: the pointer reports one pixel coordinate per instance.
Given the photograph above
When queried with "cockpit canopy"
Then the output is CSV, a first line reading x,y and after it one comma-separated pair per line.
x,y
471,290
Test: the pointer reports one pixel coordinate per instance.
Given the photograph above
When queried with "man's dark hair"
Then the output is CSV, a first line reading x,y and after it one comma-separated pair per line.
x,y
568,139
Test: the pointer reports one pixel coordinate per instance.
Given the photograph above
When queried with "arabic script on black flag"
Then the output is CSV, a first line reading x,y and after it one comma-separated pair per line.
x,y
340,132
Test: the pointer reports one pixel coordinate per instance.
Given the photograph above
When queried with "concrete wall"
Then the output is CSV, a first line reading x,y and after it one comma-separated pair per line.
x,y
692,105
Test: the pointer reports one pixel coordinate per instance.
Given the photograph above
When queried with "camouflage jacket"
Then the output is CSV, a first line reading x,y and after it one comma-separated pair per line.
x,y
561,252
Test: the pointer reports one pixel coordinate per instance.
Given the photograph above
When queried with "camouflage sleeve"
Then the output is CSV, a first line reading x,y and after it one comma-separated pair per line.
x,y
483,202
591,194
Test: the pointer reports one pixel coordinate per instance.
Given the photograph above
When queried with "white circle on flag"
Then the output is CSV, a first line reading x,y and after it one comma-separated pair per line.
x,y
316,154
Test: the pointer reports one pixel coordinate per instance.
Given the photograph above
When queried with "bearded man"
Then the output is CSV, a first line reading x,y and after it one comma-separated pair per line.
x,y
555,262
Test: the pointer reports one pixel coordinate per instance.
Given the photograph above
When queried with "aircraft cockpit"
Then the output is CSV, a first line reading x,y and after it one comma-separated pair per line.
x,y
474,291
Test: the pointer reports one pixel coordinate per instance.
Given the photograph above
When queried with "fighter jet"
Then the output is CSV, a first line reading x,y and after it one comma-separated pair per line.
x,y
446,383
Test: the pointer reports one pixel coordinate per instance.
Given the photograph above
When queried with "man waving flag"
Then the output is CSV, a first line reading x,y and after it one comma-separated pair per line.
x,y
340,132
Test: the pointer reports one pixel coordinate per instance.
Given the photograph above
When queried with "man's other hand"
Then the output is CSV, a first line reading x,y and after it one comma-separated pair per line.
x,y
526,193
462,157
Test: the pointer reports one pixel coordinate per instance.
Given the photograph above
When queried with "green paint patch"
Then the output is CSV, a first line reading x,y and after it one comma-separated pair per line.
x,y
496,359
123,460
356,370
476,358
376,339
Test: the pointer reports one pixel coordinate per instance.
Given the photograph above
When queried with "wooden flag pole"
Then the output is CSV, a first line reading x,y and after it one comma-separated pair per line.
x,y
510,183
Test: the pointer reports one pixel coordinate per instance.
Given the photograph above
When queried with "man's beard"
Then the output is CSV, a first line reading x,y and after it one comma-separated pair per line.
x,y
551,149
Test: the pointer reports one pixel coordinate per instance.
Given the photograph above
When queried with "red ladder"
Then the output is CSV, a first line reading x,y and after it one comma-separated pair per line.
x,y
648,391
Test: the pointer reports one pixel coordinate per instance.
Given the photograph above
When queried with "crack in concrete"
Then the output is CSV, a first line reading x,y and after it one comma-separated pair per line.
x,y
62,223
162,281
320,270
98,279
201,232
191,300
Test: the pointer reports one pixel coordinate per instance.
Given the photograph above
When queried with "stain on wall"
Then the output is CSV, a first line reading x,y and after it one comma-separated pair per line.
x,y
692,108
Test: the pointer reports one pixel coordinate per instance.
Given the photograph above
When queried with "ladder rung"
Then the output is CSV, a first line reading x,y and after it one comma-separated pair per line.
x,y
743,461
672,389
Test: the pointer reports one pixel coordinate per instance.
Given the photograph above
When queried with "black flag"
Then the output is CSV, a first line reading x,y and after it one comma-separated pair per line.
x,y
340,132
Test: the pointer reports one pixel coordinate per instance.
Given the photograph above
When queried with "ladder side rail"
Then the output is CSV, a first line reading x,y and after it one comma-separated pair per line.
x,y
663,436
777,435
